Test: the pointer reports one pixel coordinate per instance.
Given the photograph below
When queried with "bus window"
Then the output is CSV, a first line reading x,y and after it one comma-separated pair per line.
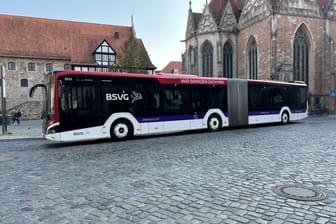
x,y
152,101
200,99
172,100
78,100
176,100
218,97
297,97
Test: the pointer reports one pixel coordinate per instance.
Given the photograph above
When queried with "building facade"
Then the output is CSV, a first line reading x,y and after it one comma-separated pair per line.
x,y
30,48
290,40
173,67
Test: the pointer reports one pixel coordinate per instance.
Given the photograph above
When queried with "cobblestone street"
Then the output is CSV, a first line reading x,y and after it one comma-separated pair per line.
x,y
222,177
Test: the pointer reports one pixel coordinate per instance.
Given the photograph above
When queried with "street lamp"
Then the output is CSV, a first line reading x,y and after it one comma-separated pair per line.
x,y
3,99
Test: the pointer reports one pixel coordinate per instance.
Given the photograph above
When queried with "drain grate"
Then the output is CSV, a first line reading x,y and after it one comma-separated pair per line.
x,y
300,192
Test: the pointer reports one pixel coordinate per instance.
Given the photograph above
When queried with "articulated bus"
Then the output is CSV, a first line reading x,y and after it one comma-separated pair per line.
x,y
97,105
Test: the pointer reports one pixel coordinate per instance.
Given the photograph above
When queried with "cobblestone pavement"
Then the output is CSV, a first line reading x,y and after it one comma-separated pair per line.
x,y
222,177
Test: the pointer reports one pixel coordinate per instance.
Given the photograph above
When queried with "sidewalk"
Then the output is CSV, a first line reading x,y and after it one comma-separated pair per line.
x,y
26,129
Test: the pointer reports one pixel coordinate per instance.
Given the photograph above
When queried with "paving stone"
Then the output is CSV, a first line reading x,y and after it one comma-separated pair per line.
x,y
222,177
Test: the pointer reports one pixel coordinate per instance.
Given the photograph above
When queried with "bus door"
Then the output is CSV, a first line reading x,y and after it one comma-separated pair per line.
x,y
238,102
78,104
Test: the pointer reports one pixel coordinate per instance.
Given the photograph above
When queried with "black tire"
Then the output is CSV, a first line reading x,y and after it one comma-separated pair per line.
x,y
214,123
121,130
285,118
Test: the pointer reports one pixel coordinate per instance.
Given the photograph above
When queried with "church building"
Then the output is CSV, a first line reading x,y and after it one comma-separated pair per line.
x,y
288,40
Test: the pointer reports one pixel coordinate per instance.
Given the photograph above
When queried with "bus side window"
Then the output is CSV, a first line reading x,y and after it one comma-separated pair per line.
x,y
200,99
168,100
173,102
219,98
195,101
153,101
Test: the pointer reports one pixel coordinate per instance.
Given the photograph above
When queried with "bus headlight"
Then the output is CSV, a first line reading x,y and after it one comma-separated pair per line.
x,y
52,130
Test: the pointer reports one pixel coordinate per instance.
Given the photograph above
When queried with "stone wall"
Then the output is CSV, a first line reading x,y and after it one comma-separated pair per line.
x,y
18,95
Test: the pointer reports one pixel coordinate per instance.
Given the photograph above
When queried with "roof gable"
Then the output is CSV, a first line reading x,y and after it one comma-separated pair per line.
x,y
218,7
207,22
228,22
104,47
254,11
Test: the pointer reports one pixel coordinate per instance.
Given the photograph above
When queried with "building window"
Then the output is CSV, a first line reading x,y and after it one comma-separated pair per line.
x,y
116,36
105,55
207,59
301,55
191,61
252,58
24,82
11,66
31,67
67,67
49,67
227,60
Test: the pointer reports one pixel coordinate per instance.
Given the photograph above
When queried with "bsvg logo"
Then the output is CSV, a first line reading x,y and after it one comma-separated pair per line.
x,y
135,96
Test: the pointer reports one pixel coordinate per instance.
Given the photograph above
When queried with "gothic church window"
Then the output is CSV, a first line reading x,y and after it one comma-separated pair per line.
x,y
105,55
227,60
252,58
191,61
207,59
301,55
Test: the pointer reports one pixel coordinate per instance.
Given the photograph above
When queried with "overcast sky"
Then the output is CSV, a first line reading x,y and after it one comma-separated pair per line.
x,y
161,24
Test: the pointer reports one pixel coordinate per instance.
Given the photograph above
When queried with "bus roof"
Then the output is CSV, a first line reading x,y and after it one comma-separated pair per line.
x,y
164,78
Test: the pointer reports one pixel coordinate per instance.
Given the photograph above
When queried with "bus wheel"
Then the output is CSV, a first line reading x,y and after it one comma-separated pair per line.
x,y
214,123
121,130
285,117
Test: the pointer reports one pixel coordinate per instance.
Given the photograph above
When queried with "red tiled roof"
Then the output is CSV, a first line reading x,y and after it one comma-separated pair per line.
x,y
57,39
172,66
217,8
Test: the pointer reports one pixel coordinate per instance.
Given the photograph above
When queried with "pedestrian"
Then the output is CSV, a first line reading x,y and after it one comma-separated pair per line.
x,y
18,119
14,117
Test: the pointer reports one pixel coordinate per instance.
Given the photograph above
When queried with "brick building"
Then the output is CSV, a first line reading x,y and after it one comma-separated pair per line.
x,y
32,47
173,67
266,39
